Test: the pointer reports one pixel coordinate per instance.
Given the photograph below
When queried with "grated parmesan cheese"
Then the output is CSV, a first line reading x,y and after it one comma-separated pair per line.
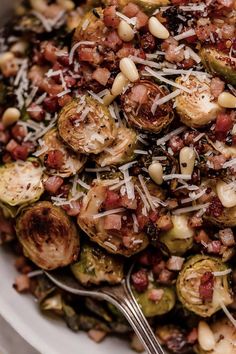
x,y
222,273
191,208
185,34
108,212
176,175
168,136
146,192
75,46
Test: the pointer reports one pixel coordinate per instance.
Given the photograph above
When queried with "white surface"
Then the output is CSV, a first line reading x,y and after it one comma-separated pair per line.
x,y
45,335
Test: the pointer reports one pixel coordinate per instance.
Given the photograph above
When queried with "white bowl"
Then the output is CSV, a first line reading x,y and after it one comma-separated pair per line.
x,y
46,335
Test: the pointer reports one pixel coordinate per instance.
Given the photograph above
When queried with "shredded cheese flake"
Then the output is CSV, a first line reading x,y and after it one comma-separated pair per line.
x,y
108,212
191,208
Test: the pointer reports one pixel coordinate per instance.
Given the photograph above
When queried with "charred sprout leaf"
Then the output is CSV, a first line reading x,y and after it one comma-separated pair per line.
x,y
139,114
91,27
197,108
90,134
148,6
70,317
220,64
49,238
179,238
53,304
189,281
72,163
87,322
225,337
21,182
96,266
98,308
121,150
152,308
111,240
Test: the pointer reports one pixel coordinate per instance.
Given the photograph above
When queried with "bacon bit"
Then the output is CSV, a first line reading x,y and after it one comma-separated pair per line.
x,y
112,222
214,247
142,20
36,112
70,81
227,237
62,101
153,216
112,200
158,267
96,335
192,336
127,50
176,144
217,161
53,184
202,237
142,221
20,152
110,18
73,209
22,283
155,295
217,87
175,263
101,75
54,159
223,123
164,222
203,32
89,55
11,145
128,203
139,94
195,221
216,208
140,280
113,41
49,52
165,276
51,104
131,10
206,286
148,42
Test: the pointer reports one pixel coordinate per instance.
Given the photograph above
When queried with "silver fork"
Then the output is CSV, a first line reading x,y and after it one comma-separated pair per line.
x,y
121,297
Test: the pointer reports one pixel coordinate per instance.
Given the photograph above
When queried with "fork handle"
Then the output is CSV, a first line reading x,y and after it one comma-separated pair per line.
x,y
131,310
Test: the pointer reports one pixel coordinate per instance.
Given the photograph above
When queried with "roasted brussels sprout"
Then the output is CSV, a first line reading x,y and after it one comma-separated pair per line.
x,y
148,6
71,164
137,103
96,266
225,338
179,238
91,27
197,108
48,236
219,63
116,234
21,182
154,307
122,149
226,219
198,296
90,133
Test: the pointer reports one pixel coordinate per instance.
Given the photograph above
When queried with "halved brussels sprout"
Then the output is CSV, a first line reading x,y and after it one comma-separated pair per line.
x,y
197,108
225,338
152,308
48,236
219,63
86,133
91,27
72,163
122,149
148,6
120,239
96,266
21,182
189,281
137,103
179,238
226,219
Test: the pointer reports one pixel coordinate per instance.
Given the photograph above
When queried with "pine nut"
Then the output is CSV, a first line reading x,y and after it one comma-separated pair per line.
x,y
128,68
108,99
118,85
125,31
19,47
227,100
155,171
206,337
10,116
157,29
187,158
39,5
226,194
5,58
